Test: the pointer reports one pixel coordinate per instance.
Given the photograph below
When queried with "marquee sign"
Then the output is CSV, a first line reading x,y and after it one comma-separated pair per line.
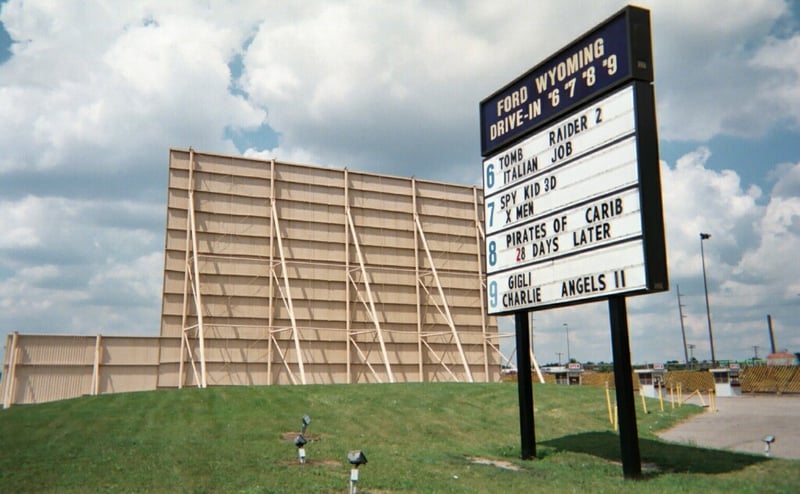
x,y
572,197
573,207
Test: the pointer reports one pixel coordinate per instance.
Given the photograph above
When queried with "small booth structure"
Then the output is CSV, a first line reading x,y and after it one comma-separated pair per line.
x,y
726,381
780,359
650,380
569,375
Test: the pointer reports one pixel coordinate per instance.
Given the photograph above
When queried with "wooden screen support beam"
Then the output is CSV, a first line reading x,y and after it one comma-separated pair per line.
x,y
192,275
96,367
503,358
417,283
440,359
479,237
448,316
198,298
185,347
347,280
186,272
283,359
365,359
372,311
188,285
536,368
270,307
287,294
11,379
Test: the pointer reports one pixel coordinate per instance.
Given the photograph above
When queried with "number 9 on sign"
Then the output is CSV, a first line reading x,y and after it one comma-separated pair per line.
x,y
493,294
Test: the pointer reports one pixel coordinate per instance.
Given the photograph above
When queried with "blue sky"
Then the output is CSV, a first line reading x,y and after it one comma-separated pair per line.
x,y
92,98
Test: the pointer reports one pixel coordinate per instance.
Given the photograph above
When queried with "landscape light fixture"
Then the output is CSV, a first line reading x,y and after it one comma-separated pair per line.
x,y
768,440
355,458
300,441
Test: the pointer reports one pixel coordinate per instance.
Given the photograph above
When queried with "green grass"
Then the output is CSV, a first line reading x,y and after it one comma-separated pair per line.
x,y
417,438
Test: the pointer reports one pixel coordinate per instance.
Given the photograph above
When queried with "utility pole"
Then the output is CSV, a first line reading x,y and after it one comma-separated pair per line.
x,y
683,328
755,352
691,351
559,357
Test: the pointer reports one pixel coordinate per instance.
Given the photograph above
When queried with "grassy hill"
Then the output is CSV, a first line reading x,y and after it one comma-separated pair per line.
x,y
441,438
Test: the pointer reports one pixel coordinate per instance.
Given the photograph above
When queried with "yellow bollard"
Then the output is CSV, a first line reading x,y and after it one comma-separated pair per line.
x,y
608,404
680,395
660,399
616,418
644,404
712,402
672,396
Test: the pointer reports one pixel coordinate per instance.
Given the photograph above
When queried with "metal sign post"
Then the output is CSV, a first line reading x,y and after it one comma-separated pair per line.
x,y
525,388
626,404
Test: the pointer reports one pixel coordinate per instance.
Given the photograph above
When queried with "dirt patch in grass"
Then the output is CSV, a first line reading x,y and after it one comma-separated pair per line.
x,y
505,465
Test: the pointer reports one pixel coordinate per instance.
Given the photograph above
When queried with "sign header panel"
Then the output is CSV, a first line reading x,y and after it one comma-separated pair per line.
x,y
596,63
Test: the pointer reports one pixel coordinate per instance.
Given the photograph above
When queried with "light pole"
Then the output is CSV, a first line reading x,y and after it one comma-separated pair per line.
x,y
566,327
706,236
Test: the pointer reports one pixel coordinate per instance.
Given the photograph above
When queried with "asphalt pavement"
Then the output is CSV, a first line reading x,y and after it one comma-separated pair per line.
x,y
741,423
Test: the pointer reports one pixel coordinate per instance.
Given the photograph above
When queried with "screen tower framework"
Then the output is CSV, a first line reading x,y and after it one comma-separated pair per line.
x,y
280,273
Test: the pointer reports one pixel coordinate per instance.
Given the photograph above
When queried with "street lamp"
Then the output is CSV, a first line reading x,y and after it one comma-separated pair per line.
x,y
566,328
706,236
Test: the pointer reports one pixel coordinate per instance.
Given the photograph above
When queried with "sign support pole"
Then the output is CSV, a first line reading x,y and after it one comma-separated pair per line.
x,y
623,380
524,386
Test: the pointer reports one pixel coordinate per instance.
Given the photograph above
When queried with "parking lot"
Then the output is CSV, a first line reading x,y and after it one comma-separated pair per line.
x,y
740,424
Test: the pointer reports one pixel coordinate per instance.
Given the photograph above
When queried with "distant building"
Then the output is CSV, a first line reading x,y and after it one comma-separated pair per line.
x,y
781,359
569,375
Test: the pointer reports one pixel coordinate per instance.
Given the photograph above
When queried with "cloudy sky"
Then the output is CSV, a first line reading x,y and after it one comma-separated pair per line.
x,y
94,93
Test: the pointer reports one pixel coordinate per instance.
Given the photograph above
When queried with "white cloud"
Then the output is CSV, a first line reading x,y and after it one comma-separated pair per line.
x,y
726,211
710,76
90,84
782,85
15,223
779,233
